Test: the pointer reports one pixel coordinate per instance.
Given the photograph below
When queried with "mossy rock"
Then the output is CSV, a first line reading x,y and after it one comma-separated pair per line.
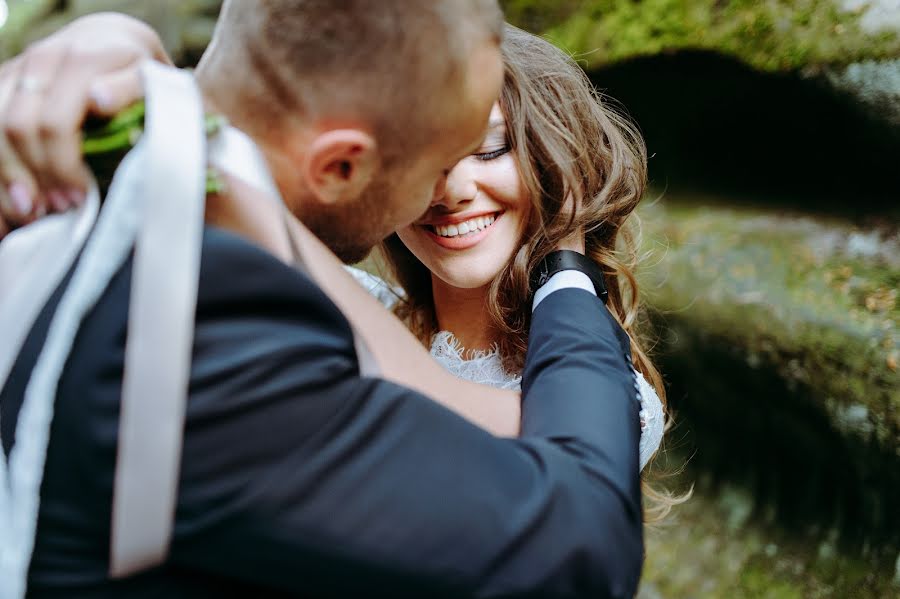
x,y
779,335
820,297
771,36
854,45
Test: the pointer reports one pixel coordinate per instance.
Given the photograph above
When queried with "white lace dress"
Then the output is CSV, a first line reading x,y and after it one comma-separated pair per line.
x,y
487,368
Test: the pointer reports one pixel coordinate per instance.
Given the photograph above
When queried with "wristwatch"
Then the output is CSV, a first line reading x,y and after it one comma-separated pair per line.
x,y
561,260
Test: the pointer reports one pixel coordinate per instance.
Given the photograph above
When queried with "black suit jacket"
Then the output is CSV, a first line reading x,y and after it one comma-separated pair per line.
x,y
301,478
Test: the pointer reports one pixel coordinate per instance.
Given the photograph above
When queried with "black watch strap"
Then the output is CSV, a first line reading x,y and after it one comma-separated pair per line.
x,y
561,260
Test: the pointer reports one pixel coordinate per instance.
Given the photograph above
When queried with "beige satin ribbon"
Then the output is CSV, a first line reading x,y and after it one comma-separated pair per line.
x,y
169,159
163,301
158,355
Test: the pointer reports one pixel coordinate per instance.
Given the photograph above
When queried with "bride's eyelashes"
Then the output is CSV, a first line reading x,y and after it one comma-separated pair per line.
x,y
485,156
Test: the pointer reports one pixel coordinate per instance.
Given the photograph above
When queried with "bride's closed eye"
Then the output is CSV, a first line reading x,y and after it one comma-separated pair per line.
x,y
485,156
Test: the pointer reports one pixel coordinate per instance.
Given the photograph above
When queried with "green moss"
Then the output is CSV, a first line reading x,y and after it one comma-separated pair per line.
x,y
771,36
787,292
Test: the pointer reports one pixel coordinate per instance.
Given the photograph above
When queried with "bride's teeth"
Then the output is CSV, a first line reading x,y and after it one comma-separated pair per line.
x,y
479,223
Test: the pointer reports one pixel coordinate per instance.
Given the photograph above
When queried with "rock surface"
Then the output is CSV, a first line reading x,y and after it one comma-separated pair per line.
x,y
852,44
780,337
780,35
818,296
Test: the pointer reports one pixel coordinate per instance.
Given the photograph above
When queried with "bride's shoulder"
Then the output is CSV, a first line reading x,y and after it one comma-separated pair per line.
x,y
380,289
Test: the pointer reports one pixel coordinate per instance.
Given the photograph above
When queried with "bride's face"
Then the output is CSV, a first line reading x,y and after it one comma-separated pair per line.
x,y
470,233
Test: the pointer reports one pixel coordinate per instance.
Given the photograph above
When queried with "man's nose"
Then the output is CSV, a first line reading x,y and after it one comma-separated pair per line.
x,y
456,187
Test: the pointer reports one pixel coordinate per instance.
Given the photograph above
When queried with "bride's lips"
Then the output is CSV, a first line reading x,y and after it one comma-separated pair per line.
x,y
461,242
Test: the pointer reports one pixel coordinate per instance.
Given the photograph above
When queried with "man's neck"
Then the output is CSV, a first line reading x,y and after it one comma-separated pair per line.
x,y
250,213
463,313
241,207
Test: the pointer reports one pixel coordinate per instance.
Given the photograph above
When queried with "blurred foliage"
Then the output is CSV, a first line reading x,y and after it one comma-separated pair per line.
x,y
185,26
777,35
714,548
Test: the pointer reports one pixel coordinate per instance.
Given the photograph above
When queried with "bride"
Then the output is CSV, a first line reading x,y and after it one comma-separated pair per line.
x,y
463,267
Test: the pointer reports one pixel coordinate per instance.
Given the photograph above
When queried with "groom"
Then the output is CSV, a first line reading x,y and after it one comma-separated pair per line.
x,y
299,477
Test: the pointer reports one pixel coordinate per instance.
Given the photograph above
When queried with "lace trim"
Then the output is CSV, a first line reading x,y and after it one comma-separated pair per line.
x,y
652,420
484,367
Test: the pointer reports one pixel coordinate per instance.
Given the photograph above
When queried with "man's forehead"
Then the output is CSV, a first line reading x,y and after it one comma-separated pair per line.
x,y
485,77
480,91
495,124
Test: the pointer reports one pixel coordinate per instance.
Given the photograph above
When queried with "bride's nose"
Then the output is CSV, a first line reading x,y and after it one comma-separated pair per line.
x,y
458,190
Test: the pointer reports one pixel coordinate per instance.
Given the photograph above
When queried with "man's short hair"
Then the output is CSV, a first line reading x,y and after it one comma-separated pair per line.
x,y
388,61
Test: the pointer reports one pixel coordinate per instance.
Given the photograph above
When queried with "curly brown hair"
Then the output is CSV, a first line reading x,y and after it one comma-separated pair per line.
x,y
572,148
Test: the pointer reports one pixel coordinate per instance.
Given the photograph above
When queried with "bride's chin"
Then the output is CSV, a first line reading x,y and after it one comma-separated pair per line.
x,y
474,278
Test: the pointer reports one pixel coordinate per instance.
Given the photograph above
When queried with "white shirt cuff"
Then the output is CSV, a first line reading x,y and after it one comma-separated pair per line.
x,y
566,279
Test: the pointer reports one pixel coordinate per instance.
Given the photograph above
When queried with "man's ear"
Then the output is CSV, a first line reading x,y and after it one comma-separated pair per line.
x,y
339,164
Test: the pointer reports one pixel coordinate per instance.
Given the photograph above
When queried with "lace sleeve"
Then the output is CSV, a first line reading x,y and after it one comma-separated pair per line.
x,y
377,287
652,420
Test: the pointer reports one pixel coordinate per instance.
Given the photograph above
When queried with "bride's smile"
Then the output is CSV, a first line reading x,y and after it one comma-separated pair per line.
x,y
460,232
470,232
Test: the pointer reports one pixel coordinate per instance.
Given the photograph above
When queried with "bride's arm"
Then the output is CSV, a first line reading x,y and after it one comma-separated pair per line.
x,y
400,356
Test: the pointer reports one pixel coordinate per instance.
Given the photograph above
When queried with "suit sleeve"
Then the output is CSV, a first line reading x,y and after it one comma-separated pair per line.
x,y
300,475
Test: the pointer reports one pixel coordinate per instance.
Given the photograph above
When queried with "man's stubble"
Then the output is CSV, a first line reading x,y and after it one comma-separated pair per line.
x,y
352,229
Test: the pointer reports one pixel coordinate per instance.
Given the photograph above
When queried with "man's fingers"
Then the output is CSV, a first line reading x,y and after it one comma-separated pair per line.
x,y
116,91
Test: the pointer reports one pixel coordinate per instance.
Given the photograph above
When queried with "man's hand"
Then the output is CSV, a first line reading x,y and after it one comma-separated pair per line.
x,y
89,67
